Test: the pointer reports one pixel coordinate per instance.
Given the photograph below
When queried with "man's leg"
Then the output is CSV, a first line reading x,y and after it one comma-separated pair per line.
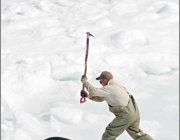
x,y
115,128
122,121
134,131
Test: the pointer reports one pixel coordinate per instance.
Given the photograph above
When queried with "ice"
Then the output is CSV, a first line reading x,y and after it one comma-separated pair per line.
x,y
103,23
30,124
21,135
65,2
67,114
5,53
128,40
43,47
124,7
44,5
169,8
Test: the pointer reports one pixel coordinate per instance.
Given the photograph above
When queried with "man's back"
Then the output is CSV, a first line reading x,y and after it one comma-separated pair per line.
x,y
116,95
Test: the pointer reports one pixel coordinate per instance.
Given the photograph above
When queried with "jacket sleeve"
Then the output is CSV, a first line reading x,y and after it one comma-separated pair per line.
x,y
100,92
97,99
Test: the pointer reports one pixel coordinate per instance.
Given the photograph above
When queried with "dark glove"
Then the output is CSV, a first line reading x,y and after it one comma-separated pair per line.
x,y
84,93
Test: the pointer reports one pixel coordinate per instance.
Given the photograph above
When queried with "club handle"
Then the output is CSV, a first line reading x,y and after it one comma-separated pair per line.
x,y
83,99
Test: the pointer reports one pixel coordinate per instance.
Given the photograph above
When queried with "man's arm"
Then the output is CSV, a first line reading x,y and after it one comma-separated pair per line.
x,y
96,98
100,92
93,98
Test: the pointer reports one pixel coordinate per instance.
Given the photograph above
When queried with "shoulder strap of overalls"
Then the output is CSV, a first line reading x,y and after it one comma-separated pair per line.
x,y
124,89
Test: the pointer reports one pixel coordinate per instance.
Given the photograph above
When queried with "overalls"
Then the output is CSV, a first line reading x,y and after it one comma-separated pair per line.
x,y
127,118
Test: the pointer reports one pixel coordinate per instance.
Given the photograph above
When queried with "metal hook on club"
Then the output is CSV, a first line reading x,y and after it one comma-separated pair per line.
x,y
88,33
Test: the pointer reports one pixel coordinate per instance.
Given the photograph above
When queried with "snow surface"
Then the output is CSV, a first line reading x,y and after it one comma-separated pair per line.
x,y
42,57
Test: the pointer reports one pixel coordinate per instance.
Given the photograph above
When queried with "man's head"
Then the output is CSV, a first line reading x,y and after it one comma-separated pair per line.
x,y
105,77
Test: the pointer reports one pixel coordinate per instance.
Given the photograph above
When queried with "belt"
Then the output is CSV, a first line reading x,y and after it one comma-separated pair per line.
x,y
116,107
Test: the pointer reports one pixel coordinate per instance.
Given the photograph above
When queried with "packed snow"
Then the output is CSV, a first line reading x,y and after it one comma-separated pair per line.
x,y
43,46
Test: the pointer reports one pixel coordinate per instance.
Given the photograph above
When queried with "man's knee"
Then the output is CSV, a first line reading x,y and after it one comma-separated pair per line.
x,y
106,136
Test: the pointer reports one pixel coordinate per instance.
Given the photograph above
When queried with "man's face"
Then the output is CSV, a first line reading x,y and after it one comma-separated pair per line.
x,y
103,82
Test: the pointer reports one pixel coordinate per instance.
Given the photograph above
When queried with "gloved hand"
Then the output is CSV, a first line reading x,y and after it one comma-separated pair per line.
x,y
84,93
84,79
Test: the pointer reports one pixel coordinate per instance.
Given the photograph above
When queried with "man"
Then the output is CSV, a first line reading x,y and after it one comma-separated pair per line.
x,y
121,104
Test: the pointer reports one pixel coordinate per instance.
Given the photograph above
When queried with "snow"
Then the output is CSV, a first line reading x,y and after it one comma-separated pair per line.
x,y
42,58
126,40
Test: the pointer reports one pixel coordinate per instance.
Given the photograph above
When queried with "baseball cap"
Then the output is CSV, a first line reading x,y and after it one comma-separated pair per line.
x,y
105,75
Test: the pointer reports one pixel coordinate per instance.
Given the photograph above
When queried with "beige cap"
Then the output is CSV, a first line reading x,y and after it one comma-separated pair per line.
x,y
105,75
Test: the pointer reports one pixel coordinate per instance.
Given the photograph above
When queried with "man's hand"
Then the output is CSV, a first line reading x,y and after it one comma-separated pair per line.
x,y
84,93
84,79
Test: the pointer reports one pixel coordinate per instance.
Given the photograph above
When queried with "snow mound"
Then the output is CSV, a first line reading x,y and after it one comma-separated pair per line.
x,y
120,60
103,23
155,64
21,135
70,114
43,5
5,111
74,33
27,85
67,115
65,2
23,11
64,66
124,8
130,39
66,72
29,123
5,53
157,69
169,8
7,130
